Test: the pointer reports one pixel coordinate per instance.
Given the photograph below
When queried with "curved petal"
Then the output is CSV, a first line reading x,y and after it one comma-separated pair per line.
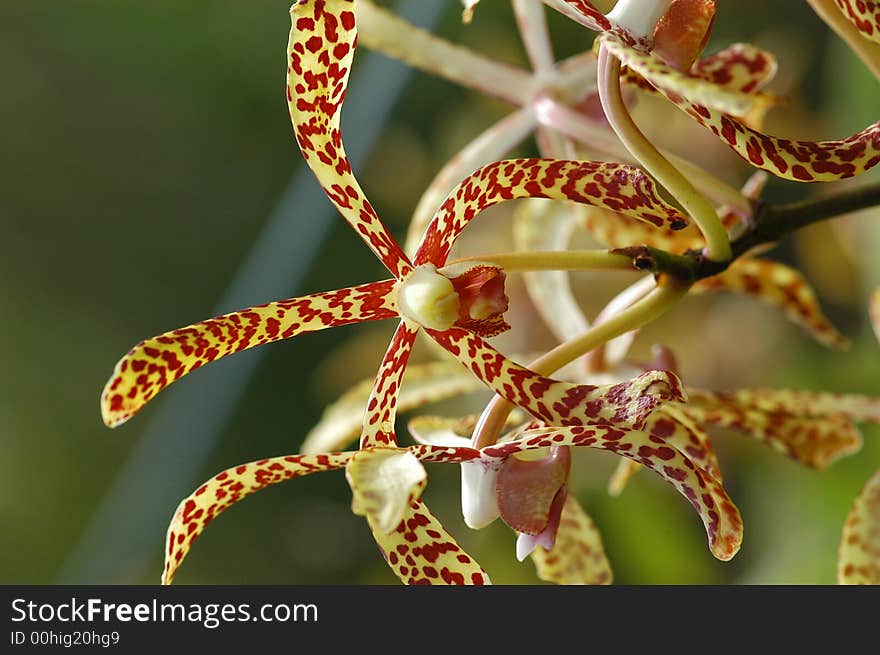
x,y
865,15
320,52
867,51
719,515
384,483
421,552
378,427
726,98
226,488
578,556
618,231
859,554
627,403
494,143
738,67
544,225
614,186
813,441
779,286
678,430
155,363
816,404
422,384
801,161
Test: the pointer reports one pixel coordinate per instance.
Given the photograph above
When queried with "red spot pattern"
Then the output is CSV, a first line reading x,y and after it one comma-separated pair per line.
x,y
560,403
421,551
321,48
155,363
865,15
616,187
718,513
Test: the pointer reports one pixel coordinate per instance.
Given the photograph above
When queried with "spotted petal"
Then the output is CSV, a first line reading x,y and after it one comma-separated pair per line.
x,y
719,515
865,15
728,99
384,483
812,441
378,427
627,403
618,187
804,161
422,384
816,404
738,67
421,552
226,488
155,363
578,556
859,555
677,429
779,286
320,52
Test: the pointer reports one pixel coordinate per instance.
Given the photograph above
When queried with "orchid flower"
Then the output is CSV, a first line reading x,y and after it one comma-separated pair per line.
x,y
457,304
857,23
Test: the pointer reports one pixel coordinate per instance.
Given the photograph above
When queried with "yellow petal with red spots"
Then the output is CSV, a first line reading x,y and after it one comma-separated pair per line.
x,y
678,430
855,407
865,15
378,427
155,363
621,188
694,87
627,403
423,384
421,552
618,231
719,515
319,57
578,556
813,441
803,161
779,286
738,67
226,488
384,482
859,554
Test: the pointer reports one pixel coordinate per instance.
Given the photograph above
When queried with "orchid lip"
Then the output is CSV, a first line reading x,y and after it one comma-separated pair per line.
x,y
479,504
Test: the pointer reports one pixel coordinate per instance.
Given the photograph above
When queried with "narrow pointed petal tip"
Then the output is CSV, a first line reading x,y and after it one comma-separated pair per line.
x,y
384,483
155,363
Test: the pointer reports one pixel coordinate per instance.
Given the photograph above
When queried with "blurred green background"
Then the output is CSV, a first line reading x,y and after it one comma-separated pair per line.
x,y
143,147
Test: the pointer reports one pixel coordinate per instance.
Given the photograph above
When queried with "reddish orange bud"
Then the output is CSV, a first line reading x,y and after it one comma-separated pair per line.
x,y
683,31
481,296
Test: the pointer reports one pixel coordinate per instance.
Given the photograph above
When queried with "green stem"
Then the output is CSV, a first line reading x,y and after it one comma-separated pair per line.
x,y
554,260
695,203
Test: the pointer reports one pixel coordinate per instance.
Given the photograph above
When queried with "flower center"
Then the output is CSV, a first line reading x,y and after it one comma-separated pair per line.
x,y
428,298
